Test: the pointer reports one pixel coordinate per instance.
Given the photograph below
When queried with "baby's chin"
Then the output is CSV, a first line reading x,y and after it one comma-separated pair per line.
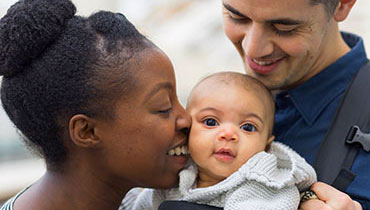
x,y
212,179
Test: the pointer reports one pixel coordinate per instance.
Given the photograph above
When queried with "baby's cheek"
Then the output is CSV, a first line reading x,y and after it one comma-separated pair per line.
x,y
198,152
193,149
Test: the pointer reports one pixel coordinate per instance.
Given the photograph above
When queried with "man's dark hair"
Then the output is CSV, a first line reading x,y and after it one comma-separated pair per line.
x,y
330,5
55,65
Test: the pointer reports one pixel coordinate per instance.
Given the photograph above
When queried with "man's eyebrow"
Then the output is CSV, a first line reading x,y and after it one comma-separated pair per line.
x,y
282,21
232,10
285,21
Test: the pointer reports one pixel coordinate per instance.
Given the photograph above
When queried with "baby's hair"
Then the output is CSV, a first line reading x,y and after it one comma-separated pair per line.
x,y
56,64
244,81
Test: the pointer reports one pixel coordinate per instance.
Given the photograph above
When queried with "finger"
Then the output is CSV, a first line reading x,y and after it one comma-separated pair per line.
x,y
333,197
357,205
312,204
326,192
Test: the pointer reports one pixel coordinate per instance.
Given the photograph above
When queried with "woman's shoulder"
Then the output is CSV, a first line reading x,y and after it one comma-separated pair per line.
x,y
8,205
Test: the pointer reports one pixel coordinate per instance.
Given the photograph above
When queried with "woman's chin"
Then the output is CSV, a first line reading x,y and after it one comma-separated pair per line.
x,y
170,182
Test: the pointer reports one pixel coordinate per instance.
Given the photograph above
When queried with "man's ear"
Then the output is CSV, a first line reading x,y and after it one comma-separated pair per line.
x,y
81,131
269,141
343,9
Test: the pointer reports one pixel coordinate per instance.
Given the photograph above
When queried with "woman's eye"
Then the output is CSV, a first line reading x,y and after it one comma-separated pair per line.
x,y
165,111
248,127
210,122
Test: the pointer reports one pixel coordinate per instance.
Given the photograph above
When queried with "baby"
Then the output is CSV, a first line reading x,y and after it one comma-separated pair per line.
x,y
235,163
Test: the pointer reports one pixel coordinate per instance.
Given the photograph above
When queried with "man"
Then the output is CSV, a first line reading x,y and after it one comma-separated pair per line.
x,y
296,48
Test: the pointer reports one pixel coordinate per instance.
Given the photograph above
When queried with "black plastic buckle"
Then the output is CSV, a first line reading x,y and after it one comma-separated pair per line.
x,y
355,135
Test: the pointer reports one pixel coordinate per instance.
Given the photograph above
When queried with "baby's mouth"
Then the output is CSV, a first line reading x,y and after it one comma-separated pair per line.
x,y
180,150
225,152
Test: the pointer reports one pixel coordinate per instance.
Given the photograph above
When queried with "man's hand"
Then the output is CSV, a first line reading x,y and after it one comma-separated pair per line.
x,y
329,199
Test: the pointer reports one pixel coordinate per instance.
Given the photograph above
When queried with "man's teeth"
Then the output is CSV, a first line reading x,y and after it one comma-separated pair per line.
x,y
262,63
181,150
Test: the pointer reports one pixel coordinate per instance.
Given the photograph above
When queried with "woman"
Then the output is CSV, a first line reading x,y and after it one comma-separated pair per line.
x,y
95,98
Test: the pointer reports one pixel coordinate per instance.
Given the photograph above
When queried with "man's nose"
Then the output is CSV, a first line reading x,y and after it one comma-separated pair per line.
x,y
257,41
228,133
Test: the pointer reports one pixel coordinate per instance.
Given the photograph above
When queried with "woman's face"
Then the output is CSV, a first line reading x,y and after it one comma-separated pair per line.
x,y
148,124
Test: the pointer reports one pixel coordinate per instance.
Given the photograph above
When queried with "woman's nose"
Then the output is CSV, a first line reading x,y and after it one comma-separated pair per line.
x,y
183,121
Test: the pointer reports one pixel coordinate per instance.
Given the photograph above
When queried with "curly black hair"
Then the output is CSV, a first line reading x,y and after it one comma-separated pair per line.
x,y
56,64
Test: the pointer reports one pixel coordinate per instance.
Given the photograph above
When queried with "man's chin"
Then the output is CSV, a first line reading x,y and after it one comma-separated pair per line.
x,y
266,80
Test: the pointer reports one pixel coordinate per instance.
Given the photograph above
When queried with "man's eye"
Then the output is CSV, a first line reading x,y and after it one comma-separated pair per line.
x,y
248,127
236,18
210,122
282,30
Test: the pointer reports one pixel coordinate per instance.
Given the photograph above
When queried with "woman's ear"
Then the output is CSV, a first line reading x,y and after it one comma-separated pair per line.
x,y
343,9
81,131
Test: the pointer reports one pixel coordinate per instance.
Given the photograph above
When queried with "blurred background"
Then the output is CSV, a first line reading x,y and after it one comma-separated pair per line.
x,y
189,31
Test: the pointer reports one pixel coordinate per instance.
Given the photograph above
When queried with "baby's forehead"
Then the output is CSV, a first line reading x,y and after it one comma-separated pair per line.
x,y
216,88
227,82
230,82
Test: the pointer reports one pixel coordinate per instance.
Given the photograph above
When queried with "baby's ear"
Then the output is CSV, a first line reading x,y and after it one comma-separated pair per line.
x,y
82,131
269,141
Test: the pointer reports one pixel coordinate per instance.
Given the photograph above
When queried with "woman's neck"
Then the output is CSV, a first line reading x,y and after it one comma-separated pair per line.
x,y
76,190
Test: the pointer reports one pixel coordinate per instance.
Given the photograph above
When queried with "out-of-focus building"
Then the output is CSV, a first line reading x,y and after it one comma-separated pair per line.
x,y
191,34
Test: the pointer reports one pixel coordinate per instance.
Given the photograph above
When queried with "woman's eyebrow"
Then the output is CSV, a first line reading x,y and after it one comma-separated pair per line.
x,y
157,88
233,10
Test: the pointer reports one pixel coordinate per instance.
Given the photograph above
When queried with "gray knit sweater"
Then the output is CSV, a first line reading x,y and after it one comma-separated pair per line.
x,y
268,180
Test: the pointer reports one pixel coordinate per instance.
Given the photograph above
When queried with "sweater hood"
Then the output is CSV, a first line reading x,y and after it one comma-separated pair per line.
x,y
278,168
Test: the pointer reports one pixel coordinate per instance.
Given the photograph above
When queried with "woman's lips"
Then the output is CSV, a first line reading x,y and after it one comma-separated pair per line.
x,y
179,160
263,66
179,154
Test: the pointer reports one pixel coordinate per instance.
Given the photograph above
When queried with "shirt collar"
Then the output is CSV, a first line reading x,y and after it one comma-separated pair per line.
x,y
315,94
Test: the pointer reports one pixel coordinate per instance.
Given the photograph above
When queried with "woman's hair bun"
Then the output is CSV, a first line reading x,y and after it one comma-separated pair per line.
x,y
28,28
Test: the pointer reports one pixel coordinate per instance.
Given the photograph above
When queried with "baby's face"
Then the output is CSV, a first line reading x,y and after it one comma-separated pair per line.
x,y
229,125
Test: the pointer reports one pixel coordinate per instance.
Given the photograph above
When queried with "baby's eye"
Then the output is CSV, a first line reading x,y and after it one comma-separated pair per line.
x,y
248,127
210,122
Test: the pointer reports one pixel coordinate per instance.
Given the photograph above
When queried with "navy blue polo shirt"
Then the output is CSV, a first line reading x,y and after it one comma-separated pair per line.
x,y
303,114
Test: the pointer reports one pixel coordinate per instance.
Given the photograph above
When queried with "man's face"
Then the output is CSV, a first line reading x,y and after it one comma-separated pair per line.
x,y
283,43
